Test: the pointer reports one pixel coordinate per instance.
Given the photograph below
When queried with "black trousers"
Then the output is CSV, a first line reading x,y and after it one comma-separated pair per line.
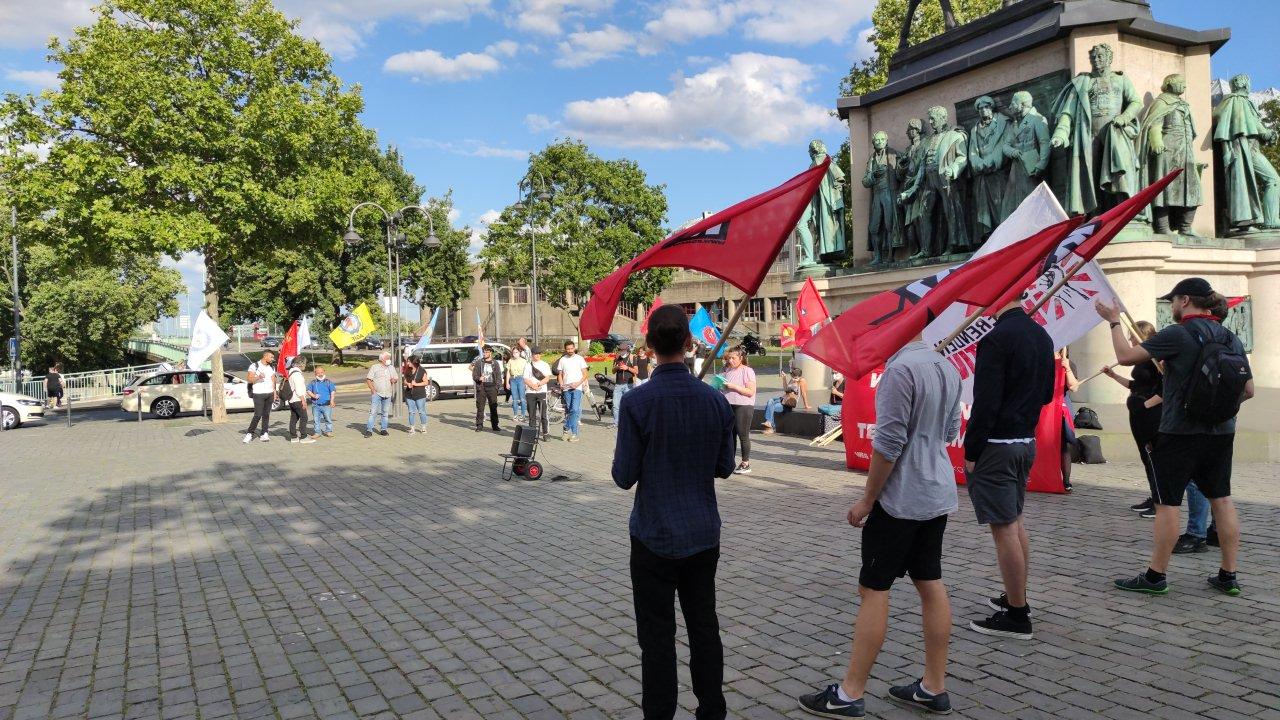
x,y
261,411
537,411
489,394
655,580
297,416
742,417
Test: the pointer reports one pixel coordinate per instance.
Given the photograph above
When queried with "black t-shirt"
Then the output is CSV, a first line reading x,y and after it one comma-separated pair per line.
x,y
621,375
837,399
1146,381
53,382
642,365
1179,350
416,393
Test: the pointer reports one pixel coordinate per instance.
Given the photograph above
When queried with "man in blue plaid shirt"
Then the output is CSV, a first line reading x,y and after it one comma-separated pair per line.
x,y
675,437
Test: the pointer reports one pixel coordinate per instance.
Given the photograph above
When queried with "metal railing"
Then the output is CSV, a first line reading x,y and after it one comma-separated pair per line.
x,y
82,387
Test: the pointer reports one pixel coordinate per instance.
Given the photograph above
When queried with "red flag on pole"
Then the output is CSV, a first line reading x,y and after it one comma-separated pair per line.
x,y
288,348
811,312
737,245
644,326
787,335
862,338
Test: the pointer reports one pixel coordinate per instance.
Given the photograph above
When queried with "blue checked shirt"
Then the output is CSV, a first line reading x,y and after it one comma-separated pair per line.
x,y
675,437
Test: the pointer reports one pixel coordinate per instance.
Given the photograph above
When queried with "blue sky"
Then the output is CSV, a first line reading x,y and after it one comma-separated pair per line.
x,y
716,100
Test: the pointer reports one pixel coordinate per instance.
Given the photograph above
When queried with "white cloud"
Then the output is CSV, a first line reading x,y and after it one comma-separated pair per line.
x,y
586,47
190,263
431,66
488,217
472,148
29,23
341,26
546,17
35,78
684,20
863,49
480,231
780,21
749,100
453,215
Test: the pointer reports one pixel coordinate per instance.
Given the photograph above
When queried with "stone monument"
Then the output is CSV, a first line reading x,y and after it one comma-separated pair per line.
x,y
986,167
910,161
821,230
1252,187
1166,141
881,177
1027,148
943,230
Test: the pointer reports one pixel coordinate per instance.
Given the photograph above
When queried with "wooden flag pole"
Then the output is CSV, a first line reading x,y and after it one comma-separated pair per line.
x,y
1090,378
963,326
724,336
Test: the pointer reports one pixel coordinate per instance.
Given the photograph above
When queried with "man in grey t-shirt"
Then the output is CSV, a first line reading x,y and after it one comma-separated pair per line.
x,y
911,488
381,382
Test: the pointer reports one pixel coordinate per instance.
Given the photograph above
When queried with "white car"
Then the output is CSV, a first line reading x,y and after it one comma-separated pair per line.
x,y
18,409
166,393
449,366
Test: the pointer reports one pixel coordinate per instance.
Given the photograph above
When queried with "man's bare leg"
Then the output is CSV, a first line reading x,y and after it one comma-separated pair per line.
x,y
935,607
868,636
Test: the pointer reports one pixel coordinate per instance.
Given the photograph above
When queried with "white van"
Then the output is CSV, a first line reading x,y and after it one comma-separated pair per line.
x,y
449,365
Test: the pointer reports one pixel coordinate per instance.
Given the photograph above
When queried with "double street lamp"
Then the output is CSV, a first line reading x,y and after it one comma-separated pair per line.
x,y
395,241
533,187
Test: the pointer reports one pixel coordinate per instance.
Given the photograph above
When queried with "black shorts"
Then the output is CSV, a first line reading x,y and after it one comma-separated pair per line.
x,y
998,483
892,548
1181,459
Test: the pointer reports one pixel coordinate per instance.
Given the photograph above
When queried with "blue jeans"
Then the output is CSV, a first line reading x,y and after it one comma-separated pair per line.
x,y
618,392
572,410
1197,512
518,406
833,411
322,418
378,406
772,409
418,407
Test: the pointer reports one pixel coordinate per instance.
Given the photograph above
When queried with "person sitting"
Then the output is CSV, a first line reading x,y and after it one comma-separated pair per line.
x,y
794,391
833,408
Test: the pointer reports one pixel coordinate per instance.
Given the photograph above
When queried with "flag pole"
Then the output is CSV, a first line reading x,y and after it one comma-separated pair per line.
x,y
724,336
969,320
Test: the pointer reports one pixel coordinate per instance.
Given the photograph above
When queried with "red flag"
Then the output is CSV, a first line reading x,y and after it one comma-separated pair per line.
x,y
1234,301
737,245
288,348
788,335
811,312
644,326
864,337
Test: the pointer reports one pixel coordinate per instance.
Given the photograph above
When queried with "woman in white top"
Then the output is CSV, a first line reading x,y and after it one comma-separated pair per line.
x,y
537,376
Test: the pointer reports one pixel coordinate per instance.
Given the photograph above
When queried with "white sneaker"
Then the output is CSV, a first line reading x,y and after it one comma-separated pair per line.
x,y
265,438
307,441
295,440
248,438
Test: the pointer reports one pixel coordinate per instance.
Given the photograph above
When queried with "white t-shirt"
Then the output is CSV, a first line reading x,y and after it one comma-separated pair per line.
x,y
543,368
298,382
573,368
266,384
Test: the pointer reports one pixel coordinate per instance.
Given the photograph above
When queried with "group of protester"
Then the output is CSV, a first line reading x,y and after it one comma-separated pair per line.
x,y
676,435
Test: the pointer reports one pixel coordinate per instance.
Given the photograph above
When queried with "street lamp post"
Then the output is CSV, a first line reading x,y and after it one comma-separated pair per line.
x,y
542,192
395,241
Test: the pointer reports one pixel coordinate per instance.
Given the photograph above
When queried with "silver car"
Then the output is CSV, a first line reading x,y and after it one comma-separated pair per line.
x,y
16,409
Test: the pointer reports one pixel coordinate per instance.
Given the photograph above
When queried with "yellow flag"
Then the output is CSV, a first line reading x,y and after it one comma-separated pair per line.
x,y
356,326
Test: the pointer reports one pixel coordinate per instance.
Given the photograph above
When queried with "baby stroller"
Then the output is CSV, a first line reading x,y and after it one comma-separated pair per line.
x,y
605,406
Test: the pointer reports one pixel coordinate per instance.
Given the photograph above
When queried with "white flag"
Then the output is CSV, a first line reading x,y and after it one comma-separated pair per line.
x,y
304,333
206,338
1066,317
431,329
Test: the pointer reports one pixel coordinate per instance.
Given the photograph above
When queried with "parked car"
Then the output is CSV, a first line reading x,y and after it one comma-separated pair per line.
x,y
271,342
369,343
17,409
166,393
449,366
612,342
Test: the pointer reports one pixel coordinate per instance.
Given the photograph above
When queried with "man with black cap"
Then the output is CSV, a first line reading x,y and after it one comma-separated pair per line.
x,y
1206,377
624,376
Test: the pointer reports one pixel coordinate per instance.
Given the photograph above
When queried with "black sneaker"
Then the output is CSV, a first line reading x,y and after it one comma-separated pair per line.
x,y
828,704
1148,504
1140,584
1002,624
1001,603
1148,514
913,695
1228,587
1066,486
1188,544
368,433
382,432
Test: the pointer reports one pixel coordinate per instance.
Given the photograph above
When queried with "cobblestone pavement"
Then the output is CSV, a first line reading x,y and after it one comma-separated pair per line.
x,y
167,570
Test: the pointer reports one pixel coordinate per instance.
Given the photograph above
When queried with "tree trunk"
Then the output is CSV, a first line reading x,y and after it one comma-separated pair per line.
x,y
218,406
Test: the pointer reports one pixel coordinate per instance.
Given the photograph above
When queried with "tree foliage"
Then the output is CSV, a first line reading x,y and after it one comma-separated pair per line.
x,y
601,214
886,22
1271,118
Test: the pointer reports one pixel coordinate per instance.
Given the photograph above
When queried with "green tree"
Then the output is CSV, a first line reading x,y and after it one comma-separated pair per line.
x,y
200,125
601,213
886,23
1271,118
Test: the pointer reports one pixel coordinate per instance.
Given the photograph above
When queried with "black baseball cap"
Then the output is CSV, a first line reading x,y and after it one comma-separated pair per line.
x,y
1197,287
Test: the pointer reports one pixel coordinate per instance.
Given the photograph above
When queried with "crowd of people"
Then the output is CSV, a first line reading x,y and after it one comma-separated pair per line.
x,y
676,435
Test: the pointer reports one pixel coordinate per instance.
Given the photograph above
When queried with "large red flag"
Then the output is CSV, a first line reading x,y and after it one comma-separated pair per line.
x,y
644,326
737,245
863,337
288,348
811,312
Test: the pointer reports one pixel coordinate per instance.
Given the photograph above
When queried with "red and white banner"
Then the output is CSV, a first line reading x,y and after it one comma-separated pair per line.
x,y
858,423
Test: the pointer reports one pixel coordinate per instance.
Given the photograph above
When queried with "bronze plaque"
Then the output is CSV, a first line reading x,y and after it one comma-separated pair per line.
x,y
1044,90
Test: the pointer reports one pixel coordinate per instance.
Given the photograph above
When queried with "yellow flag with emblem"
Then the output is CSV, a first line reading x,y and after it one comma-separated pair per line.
x,y
356,326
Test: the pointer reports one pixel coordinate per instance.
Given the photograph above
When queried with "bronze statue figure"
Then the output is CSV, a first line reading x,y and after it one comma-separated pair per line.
x,y
943,226
1027,148
909,163
821,227
1096,121
883,232
1252,197
1165,141
986,165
